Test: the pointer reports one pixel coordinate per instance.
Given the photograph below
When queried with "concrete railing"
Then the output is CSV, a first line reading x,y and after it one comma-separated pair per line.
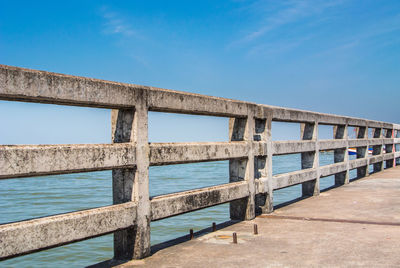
x,y
249,151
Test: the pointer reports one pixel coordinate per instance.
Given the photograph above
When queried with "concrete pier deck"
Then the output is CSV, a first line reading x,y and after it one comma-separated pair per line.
x,y
355,225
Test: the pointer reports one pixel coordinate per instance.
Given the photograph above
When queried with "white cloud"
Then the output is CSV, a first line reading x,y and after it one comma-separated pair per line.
x,y
282,26
374,32
284,13
115,24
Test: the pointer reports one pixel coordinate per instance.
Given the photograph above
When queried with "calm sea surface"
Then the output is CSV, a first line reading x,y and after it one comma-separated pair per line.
x,y
26,198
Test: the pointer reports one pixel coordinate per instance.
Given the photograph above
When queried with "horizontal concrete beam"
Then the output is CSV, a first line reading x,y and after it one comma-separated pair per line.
x,y
375,159
38,86
388,156
387,141
387,125
355,163
333,169
292,178
374,124
37,160
21,84
163,100
175,153
332,144
292,115
397,154
357,122
376,141
295,115
358,142
377,124
165,206
292,147
396,140
33,235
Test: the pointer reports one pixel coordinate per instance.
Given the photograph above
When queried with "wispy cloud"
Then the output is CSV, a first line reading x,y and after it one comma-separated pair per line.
x,y
287,12
379,34
115,24
128,39
278,47
313,28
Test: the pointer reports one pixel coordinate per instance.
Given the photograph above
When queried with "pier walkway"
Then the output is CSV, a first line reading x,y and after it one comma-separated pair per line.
x,y
356,225
349,226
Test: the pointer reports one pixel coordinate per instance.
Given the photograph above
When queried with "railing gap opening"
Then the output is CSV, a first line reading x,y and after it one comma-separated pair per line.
x,y
73,255
352,132
389,148
286,163
326,182
192,128
325,132
282,131
184,177
287,195
178,226
327,157
370,133
53,124
26,198
370,168
353,175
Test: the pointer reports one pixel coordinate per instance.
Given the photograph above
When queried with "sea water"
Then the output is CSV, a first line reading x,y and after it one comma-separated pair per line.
x,y
26,198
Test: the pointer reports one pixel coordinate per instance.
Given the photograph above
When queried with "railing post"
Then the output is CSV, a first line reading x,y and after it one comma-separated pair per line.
x,y
242,129
130,125
396,146
309,131
389,148
362,152
263,164
341,155
377,149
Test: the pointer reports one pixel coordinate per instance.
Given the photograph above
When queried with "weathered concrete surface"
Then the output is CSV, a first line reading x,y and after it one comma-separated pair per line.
x,y
20,84
131,125
309,233
174,153
333,169
28,236
292,178
243,169
332,144
249,150
292,147
309,131
174,204
37,160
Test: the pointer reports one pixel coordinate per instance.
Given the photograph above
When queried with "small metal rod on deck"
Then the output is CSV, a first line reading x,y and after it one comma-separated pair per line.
x,y
234,238
255,229
191,234
214,227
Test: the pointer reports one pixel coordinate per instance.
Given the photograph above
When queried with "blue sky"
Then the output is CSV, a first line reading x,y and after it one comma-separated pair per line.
x,y
336,56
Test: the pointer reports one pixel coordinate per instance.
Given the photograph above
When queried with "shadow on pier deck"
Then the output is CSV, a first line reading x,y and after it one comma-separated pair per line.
x,y
354,225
